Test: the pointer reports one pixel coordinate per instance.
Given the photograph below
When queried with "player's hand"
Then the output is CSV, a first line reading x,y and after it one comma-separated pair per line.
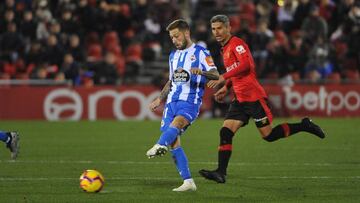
x,y
154,104
196,71
216,83
220,94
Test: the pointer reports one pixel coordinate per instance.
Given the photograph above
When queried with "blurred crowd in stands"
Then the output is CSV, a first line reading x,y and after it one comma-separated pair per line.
x,y
112,42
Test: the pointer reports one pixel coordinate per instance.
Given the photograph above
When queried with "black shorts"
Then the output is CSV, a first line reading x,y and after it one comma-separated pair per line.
x,y
258,110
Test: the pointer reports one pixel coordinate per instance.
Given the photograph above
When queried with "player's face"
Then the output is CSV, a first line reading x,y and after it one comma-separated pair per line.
x,y
220,31
178,38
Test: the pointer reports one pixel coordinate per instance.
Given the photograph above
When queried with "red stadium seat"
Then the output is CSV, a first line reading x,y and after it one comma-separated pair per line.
x,y
134,52
352,74
120,65
94,52
110,38
9,68
92,38
115,49
334,78
295,76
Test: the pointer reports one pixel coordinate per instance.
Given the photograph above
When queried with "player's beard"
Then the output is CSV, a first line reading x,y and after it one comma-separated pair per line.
x,y
183,45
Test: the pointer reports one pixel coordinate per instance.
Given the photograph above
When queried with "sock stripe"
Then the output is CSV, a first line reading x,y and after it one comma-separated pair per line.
x,y
286,129
226,147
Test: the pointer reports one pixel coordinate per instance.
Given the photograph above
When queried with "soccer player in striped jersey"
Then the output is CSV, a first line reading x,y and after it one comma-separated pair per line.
x,y
11,139
190,66
250,99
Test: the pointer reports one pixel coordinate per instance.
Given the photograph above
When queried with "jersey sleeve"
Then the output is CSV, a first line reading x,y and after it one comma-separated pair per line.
x,y
244,60
206,61
171,56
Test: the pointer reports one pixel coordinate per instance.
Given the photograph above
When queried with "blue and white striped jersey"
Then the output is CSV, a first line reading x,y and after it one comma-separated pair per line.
x,y
184,85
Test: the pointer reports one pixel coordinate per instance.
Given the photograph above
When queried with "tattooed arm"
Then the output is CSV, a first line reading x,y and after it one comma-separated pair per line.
x,y
212,74
165,91
163,95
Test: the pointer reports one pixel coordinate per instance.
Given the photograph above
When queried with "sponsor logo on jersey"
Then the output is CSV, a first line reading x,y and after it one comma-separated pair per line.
x,y
181,76
240,49
232,66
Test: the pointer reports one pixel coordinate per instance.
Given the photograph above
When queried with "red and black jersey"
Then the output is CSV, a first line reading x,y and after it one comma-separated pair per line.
x,y
240,71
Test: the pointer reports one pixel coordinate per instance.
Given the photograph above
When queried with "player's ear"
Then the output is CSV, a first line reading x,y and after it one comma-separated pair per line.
x,y
187,33
229,28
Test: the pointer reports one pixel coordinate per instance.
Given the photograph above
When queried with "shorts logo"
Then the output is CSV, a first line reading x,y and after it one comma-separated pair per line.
x,y
262,120
190,116
162,123
240,49
180,76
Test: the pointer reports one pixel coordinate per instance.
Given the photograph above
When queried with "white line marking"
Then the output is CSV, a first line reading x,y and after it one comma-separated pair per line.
x,y
167,162
176,178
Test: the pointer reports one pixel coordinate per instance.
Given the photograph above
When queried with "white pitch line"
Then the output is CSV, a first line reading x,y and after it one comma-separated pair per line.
x,y
150,162
176,178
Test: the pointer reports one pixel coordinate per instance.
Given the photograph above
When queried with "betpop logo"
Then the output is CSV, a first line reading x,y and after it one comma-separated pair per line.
x,y
328,101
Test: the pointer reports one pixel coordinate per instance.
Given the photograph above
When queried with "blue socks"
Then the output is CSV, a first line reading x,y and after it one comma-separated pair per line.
x,y
4,137
168,136
181,162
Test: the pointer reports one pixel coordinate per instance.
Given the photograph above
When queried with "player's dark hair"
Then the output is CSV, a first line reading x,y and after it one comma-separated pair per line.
x,y
220,18
180,24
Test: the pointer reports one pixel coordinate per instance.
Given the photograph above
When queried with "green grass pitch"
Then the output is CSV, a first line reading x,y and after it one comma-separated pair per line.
x,y
302,168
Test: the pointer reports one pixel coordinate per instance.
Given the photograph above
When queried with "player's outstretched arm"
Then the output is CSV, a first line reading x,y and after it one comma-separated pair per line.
x,y
220,94
163,95
212,74
216,83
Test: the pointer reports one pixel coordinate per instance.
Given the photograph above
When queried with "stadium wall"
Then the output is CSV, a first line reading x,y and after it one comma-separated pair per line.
x,y
130,102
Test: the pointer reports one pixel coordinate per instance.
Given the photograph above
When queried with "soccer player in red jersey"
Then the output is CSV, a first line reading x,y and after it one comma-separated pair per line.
x,y
250,99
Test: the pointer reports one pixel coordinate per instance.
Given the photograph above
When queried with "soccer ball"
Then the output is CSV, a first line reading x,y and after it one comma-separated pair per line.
x,y
91,181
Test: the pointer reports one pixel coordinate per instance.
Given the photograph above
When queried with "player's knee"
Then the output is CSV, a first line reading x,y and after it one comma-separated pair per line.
x,y
226,136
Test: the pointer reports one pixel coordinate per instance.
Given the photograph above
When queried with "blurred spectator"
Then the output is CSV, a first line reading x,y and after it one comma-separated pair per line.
x,y
70,69
296,53
75,48
277,63
319,65
35,55
105,71
53,52
134,32
351,30
11,43
28,27
259,42
301,12
314,26
40,72
285,16
9,17
67,23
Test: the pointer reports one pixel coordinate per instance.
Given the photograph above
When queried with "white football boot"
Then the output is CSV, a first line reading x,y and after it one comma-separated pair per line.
x,y
188,185
13,144
156,150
